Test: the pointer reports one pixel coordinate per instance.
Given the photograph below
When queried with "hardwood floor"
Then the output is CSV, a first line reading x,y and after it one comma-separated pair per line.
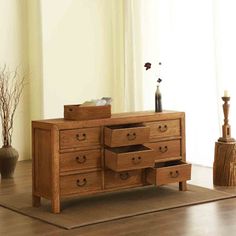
x,y
210,219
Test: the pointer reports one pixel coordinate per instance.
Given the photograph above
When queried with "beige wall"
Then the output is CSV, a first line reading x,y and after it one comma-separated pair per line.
x,y
77,52
67,49
35,59
14,53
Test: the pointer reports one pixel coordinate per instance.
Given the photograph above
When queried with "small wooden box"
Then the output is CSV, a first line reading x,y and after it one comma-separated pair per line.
x,y
78,112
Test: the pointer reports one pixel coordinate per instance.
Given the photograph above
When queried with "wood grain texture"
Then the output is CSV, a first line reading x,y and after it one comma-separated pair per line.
x,y
80,183
123,179
183,139
118,136
224,168
115,119
80,138
75,154
165,149
36,199
55,170
42,162
183,184
169,174
129,158
78,112
164,128
80,160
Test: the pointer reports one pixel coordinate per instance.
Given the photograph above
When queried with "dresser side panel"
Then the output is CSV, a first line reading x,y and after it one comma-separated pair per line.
x,y
183,139
42,162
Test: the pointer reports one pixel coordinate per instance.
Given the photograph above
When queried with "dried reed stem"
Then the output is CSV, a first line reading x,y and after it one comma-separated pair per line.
x,y
11,87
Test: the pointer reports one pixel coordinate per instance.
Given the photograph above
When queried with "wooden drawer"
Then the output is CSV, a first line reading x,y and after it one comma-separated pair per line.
x,y
123,179
169,173
166,149
129,158
163,129
77,138
86,182
125,135
80,160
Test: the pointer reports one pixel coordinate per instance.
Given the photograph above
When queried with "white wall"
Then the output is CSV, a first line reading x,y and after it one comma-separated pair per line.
x,y
77,52
184,42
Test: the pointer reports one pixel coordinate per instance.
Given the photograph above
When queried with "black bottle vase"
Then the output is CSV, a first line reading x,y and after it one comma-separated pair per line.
x,y
158,102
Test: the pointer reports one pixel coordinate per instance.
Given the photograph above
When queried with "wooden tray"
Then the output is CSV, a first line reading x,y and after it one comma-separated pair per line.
x,y
78,112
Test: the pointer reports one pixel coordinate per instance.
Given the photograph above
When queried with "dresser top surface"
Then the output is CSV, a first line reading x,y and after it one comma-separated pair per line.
x,y
121,115
116,118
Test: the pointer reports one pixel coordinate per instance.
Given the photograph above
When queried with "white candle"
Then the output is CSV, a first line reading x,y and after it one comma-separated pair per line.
x,y
226,93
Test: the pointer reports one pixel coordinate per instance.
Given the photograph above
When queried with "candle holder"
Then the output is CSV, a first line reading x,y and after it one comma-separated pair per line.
x,y
226,129
224,173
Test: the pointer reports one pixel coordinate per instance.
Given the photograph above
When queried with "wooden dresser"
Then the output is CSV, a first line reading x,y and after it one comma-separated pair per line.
x,y
75,158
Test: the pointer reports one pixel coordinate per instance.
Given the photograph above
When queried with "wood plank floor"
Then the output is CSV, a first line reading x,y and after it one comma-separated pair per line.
x,y
210,219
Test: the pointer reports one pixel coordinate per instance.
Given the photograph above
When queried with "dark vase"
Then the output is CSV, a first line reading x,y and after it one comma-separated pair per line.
x,y
158,102
8,160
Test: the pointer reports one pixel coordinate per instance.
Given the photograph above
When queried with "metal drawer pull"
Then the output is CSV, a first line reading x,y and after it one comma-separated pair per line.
x,y
81,183
81,159
131,136
136,160
81,137
163,128
124,176
163,149
175,174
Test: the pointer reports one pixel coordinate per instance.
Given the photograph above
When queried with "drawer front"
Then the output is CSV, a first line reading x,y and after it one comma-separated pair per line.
x,y
165,149
123,179
79,183
163,129
80,160
118,137
126,159
77,138
169,174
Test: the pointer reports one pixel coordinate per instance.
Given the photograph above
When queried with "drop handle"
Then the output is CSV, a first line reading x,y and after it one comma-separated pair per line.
x,y
136,160
131,136
162,128
81,159
81,137
124,176
174,174
81,183
163,149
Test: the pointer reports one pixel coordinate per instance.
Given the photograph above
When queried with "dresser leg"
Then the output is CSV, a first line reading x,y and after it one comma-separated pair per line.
x,y
36,201
56,206
183,186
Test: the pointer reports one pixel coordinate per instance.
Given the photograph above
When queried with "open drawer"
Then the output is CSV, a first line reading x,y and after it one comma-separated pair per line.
x,y
125,135
169,172
129,158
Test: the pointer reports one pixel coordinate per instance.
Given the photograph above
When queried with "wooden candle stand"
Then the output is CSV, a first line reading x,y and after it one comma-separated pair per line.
x,y
224,168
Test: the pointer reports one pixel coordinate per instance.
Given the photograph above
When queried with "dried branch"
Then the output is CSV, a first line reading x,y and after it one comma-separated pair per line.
x,y
11,87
